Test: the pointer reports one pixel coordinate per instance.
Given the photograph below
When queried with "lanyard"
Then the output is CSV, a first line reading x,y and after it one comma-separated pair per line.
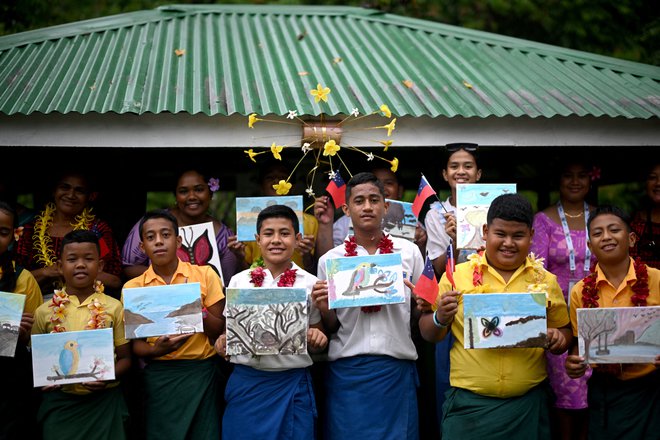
x,y
569,241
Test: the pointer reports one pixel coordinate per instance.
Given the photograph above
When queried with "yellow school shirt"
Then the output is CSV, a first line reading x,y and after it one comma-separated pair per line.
x,y
198,345
76,317
310,227
610,296
28,286
506,372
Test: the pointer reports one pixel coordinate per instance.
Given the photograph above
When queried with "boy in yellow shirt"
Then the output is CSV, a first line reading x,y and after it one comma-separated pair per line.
x,y
624,399
91,409
498,393
182,375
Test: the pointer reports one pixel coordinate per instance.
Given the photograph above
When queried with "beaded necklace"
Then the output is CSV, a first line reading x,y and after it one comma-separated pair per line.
x,y
385,246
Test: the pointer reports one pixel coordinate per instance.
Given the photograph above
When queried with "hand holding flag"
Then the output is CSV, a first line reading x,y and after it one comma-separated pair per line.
x,y
427,286
337,190
451,264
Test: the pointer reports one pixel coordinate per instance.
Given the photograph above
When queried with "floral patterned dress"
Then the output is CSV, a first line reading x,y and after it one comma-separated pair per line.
x,y
549,242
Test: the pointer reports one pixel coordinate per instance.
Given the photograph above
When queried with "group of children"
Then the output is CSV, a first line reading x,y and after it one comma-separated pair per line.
x,y
370,380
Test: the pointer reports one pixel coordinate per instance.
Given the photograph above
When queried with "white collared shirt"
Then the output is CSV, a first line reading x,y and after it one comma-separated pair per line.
x,y
278,362
437,239
386,332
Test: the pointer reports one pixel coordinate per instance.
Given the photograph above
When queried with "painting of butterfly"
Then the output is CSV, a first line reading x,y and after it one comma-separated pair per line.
x,y
504,320
490,327
198,246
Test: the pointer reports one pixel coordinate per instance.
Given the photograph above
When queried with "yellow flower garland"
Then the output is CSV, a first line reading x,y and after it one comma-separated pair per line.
x,y
42,240
96,309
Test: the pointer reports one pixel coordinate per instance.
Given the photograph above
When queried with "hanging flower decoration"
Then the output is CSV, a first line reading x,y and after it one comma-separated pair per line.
x,y
322,139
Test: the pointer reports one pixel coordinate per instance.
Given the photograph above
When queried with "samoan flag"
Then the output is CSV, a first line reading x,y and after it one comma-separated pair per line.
x,y
337,190
451,264
427,285
423,193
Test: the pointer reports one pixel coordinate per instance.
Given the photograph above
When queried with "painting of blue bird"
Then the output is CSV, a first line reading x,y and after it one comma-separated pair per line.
x,y
359,278
69,358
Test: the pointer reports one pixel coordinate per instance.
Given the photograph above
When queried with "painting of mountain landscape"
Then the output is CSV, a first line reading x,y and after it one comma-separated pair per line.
x,y
504,320
162,310
619,335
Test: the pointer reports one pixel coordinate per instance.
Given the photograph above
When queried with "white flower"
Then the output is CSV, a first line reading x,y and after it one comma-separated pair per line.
x,y
355,112
370,156
331,175
292,114
310,192
306,147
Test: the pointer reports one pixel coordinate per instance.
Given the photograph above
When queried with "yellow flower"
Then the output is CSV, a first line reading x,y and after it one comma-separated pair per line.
x,y
386,110
387,144
395,164
542,287
320,93
252,119
251,154
331,148
282,188
390,126
276,150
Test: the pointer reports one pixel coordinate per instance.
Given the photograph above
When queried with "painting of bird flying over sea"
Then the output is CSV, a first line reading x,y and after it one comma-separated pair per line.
x,y
266,321
504,320
172,309
367,280
73,357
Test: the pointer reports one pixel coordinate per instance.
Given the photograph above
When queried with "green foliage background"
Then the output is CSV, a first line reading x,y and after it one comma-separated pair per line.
x,y
628,29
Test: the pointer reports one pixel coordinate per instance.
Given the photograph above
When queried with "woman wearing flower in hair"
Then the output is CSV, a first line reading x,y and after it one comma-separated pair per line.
x,y
624,399
193,194
560,238
38,248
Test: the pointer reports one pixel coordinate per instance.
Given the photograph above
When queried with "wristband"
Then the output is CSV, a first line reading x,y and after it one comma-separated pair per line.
x,y
438,323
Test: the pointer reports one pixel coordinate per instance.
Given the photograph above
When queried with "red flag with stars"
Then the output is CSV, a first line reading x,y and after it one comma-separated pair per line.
x,y
337,190
423,193
427,285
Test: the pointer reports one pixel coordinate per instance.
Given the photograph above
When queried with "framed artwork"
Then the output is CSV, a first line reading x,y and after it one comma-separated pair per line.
x,y
619,335
198,246
472,203
11,311
162,310
504,320
73,357
248,208
266,321
365,280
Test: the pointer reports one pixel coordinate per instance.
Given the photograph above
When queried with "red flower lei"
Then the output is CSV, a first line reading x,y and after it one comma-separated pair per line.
x,y
640,288
385,246
287,279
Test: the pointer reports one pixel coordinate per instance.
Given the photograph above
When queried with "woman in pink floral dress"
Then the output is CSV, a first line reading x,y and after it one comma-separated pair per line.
x,y
560,237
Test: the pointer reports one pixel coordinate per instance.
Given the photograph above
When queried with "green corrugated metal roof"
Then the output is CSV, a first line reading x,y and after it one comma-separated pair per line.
x,y
249,59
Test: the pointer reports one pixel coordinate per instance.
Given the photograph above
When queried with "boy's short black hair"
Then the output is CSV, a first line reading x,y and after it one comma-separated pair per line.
x,y
159,213
81,236
361,178
278,211
511,207
609,209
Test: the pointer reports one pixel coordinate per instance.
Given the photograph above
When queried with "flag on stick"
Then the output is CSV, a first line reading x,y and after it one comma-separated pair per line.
x,y
427,285
337,190
423,193
451,264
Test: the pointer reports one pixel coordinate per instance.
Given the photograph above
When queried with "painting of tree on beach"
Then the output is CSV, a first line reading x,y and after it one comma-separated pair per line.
x,y
504,320
172,309
266,321
11,311
619,335
248,208
73,357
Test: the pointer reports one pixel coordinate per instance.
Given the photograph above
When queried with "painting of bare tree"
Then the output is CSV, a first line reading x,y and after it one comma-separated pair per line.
x,y
619,335
266,321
